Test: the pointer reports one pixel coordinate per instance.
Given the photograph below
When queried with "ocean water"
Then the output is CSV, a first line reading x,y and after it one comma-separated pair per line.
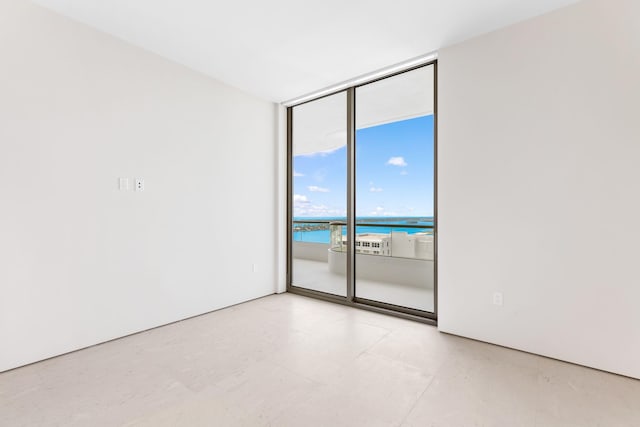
x,y
394,224
320,236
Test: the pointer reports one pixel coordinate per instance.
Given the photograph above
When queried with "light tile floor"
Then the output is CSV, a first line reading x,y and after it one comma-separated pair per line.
x,y
287,360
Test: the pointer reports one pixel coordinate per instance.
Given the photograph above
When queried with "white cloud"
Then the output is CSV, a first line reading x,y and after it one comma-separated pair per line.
x,y
316,189
320,175
397,161
319,207
296,173
323,153
377,211
301,205
300,199
373,188
318,210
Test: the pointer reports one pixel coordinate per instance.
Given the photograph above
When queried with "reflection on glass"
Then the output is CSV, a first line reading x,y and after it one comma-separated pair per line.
x,y
319,194
395,190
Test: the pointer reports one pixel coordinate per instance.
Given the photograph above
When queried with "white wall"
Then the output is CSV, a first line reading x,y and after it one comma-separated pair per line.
x,y
539,186
81,262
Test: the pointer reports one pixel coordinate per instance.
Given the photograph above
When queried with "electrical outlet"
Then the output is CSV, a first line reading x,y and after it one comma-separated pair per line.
x,y
139,184
498,298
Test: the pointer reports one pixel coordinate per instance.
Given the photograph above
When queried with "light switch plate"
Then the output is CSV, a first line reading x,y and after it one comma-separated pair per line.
x,y
123,184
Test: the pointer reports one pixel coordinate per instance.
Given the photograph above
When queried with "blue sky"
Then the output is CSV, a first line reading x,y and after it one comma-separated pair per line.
x,y
394,174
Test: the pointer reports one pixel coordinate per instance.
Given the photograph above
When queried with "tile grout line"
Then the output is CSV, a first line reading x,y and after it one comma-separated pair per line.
x,y
433,377
366,350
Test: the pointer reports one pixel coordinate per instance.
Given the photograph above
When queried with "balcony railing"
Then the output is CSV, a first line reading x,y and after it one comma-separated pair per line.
x,y
372,238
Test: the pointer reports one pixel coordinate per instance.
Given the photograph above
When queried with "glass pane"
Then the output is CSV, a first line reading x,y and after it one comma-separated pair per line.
x,y
395,190
320,195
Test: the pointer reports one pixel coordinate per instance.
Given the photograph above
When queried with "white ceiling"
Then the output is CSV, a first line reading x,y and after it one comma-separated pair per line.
x,y
281,49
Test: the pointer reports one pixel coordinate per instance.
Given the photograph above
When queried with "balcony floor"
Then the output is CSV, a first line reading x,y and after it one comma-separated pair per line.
x,y
315,275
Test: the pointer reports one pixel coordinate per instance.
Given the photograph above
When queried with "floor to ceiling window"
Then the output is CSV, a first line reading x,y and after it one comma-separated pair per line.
x,y
362,194
319,191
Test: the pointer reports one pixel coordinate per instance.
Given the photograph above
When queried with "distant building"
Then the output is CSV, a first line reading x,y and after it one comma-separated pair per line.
x,y
398,244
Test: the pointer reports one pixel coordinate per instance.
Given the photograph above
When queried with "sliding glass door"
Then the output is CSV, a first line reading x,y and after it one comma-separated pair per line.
x,y
362,194
318,194
394,165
